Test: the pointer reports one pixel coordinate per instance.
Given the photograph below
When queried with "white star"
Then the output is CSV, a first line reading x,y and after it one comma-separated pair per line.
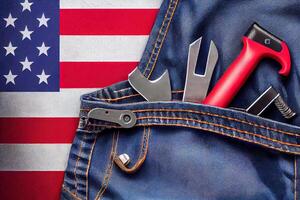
x,y
43,49
43,20
26,64
26,5
43,77
10,78
10,49
10,21
26,33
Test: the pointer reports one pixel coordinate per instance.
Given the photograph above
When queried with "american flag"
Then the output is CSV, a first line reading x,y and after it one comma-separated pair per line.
x,y
51,52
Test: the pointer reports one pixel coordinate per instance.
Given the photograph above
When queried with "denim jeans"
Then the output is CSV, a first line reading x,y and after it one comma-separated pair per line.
x,y
182,150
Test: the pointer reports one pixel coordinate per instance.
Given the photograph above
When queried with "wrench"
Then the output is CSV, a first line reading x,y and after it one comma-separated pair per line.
x,y
196,85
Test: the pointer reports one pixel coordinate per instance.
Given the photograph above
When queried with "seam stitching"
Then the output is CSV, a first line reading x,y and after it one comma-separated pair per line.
x,y
71,193
128,96
210,114
221,116
108,170
76,164
212,130
145,143
295,177
88,168
225,134
163,39
222,126
142,154
160,32
157,38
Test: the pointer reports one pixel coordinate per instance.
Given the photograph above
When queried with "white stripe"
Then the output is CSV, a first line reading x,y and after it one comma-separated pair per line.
x,y
34,157
110,3
41,104
102,48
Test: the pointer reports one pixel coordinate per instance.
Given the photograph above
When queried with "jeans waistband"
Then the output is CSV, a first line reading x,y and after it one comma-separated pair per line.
x,y
227,122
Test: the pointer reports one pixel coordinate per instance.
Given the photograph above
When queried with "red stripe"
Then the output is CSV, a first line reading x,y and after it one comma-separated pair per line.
x,y
37,130
93,74
106,21
31,185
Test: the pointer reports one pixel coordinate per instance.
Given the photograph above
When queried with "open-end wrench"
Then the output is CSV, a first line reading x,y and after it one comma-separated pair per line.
x,y
155,90
196,85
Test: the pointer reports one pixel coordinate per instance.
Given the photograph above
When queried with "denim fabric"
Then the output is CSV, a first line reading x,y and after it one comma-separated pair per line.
x,y
183,150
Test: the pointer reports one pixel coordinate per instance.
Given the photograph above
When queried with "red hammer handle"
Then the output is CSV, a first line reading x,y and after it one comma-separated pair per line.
x,y
238,72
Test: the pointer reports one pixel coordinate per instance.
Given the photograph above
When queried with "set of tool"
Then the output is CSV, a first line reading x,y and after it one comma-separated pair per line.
x,y
257,44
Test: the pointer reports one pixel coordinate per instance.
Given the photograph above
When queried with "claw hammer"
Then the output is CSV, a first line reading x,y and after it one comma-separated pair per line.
x,y
258,44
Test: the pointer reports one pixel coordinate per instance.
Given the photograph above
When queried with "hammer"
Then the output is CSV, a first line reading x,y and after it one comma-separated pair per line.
x,y
258,44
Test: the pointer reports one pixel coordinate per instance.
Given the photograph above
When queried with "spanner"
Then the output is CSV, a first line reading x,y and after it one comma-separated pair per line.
x,y
196,85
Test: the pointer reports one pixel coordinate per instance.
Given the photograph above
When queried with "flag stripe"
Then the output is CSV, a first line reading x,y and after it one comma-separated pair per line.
x,y
31,185
34,157
93,74
110,4
37,130
65,103
117,21
98,39
102,48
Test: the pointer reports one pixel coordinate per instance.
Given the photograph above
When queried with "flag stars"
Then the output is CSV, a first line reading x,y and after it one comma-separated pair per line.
x,y
10,49
43,21
26,33
43,49
10,78
26,5
43,77
26,64
10,21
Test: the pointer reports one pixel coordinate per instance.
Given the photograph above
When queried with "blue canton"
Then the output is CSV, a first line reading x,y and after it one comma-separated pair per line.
x,y
29,45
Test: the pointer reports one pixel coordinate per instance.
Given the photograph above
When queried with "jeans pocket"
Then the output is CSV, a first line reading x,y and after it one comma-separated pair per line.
x,y
200,151
180,150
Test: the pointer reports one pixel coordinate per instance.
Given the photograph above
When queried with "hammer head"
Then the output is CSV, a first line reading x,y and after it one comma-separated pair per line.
x,y
271,46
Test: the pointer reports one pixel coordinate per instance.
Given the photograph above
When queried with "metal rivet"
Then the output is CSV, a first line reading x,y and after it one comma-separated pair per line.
x,y
126,118
125,159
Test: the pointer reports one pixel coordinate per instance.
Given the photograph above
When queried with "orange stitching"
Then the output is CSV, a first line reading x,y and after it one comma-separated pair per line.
x,y
71,193
177,91
212,130
119,98
214,115
76,164
222,126
88,168
108,171
159,32
295,182
164,36
145,136
105,125
222,133
142,155
132,95
217,115
145,142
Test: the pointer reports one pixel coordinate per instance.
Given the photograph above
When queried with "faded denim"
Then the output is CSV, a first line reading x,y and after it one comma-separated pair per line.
x,y
182,150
